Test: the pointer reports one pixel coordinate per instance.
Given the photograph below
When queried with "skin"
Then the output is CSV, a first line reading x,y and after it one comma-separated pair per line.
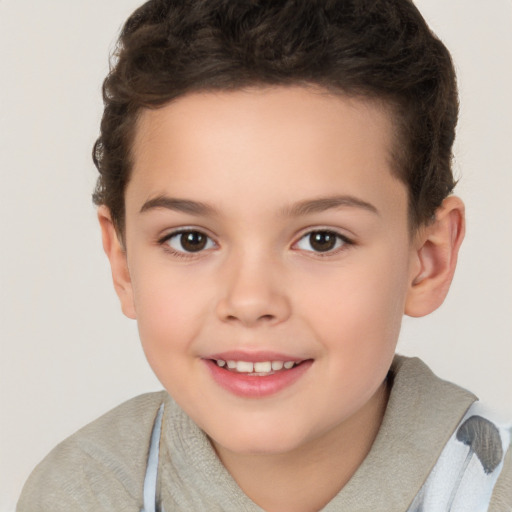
x,y
253,157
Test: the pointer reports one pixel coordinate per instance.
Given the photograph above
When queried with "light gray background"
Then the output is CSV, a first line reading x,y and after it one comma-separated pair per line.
x,y
67,353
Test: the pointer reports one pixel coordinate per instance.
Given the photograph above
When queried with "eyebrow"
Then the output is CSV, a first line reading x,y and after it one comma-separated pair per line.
x,y
299,209
179,205
327,203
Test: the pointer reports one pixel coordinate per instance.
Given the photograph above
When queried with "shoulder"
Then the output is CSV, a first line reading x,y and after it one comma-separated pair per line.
x,y
423,397
100,467
468,444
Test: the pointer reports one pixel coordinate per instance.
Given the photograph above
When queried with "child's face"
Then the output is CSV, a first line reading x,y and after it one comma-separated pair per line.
x,y
294,247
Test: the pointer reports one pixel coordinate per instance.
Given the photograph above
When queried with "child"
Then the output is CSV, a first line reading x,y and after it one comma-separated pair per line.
x,y
274,194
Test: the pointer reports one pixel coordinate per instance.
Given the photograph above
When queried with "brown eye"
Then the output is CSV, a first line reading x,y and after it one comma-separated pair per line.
x,y
321,241
189,241
193,241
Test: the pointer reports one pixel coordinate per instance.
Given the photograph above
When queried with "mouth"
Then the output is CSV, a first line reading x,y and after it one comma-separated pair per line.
x,y
256,369
266,375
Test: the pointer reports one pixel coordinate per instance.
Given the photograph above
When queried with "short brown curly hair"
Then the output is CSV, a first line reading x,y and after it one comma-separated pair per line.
x,y
376,49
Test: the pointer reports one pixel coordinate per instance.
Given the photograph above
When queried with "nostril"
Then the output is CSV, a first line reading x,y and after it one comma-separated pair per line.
x,y
252,310
245,319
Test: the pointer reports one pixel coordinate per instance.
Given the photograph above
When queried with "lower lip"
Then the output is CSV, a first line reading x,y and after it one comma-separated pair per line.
x,y
255,386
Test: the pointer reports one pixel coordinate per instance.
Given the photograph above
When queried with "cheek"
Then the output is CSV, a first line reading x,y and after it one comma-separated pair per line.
x,y
168,310
168,320
360,307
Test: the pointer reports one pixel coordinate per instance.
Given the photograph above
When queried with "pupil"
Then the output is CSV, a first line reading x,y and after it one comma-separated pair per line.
x,y
193,241
322,241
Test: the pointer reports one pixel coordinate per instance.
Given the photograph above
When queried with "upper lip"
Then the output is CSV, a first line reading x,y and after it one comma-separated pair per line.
x,y
254,357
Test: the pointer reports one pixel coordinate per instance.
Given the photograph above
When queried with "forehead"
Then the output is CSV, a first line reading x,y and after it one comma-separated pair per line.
x,y
302,112
274,143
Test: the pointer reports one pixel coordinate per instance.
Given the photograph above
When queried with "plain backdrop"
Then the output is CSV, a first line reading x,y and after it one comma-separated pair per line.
x,y
68,355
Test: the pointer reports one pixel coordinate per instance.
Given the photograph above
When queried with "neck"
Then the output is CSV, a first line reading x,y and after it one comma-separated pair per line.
x,y
308,478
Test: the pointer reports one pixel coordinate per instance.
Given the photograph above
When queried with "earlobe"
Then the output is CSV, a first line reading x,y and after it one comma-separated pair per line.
x,y
435,258
116,254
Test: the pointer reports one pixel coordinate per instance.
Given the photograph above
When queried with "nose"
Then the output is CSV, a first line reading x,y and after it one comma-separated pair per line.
x,y
253,294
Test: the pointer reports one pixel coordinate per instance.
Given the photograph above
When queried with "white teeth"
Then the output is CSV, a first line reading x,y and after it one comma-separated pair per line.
x,y
265,367
261,367
244,367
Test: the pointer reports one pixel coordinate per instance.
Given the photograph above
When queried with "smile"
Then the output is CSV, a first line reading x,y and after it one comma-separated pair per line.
x,y
257,369
256,379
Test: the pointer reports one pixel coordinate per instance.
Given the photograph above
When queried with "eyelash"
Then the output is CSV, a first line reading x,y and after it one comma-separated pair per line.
x,y
164,242
345,242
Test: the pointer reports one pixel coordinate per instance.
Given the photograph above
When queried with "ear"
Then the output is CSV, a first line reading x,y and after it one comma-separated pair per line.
x,y
116,253
436,248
